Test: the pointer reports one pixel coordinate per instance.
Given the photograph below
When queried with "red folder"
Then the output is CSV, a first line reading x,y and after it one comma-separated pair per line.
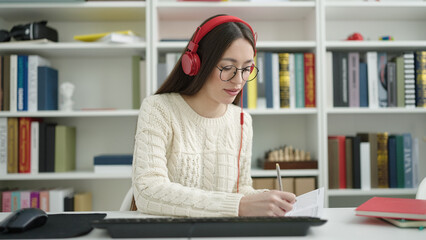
x,y
398,208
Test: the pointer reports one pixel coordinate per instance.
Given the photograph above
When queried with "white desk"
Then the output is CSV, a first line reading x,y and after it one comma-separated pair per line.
x,y
342,224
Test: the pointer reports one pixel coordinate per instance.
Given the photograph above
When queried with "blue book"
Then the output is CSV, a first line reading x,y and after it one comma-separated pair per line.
x,y
22,83
16,200
113,159
408,161
363,85
268,80
400,172
47,86
392,162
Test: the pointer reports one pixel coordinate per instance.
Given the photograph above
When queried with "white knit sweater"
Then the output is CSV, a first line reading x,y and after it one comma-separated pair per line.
x,y
185,164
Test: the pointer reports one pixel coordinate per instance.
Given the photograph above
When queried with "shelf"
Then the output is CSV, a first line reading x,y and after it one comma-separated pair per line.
x,y
91,113
373,192
297,111
63,176
78,12
185,11
376,110
261,45
366,11
74,49
375,45
284,173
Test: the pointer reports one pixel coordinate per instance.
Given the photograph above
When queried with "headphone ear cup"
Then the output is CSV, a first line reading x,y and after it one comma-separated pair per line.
x,y
191,63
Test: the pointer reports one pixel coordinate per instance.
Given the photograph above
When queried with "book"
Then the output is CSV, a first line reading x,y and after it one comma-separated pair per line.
x,y
391,84
6,83
340,79
349,161
12,145
50,147
276,80
83,201
98,36
309,66
409,80
408,160
363,85
404,223
113,159
35,137
299,78
44,200
400,171
373,81
268,79
3,146
35,199
22,83
364,152
333,164
341,159
398,208
120,38
353,79
382,84
392,161
284,75
252,91
260,80
65,146
356,162
56,198
382,160
291,67
34,61
47,87
13,82
372,139
420,74
24,160
400,95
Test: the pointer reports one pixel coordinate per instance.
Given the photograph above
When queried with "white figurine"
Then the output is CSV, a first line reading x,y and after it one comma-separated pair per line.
x,y
66,90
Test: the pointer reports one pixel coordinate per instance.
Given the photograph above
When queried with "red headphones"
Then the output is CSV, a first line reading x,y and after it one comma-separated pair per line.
x,y
190,60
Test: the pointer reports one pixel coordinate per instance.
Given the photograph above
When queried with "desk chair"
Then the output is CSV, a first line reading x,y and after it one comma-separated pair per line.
x,y
128,203
421,191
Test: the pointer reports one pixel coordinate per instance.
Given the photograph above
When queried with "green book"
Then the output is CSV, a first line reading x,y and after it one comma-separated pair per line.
x,y
64,148
400,84
400,174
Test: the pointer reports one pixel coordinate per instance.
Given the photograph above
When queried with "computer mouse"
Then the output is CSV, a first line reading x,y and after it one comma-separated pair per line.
x,y
23,219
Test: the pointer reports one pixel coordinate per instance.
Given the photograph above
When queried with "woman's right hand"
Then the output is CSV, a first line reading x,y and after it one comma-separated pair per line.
x,y
272,203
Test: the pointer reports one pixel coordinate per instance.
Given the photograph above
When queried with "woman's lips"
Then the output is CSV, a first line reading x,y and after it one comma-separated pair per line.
x,y
232,92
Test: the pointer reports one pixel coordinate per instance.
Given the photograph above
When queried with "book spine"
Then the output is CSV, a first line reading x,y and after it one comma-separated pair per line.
x,y
6,201
400,171
34,61
64,148
12,144
420,66
13,82
363,85
299,74
292,81
22,81
356,163
44,200
25,199
268,80
408,161
3,146
400,96
252,91
284,80
260,80
353,79
309,64
364,150
34,199
409,80
35,146
24,145
349,161
6,83
382,86
392,162
391,84
382,160
373,81
15,200
333,163
340,80
276,80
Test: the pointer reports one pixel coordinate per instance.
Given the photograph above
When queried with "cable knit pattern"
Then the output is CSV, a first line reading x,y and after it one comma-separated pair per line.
x,y
185,164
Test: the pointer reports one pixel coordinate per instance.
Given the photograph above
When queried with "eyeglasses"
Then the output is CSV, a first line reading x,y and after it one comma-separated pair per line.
x,y
247,74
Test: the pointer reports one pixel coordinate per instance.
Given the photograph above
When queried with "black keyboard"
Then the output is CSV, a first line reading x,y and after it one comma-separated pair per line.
x,y
207,227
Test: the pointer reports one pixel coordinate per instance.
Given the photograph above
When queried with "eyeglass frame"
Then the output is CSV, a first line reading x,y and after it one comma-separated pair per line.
x,y
235,73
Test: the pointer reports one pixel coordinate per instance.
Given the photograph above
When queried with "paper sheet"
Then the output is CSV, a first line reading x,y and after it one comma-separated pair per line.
x,y
310,204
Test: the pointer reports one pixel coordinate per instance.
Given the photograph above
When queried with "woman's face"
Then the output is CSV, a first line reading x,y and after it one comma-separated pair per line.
x,y
239,54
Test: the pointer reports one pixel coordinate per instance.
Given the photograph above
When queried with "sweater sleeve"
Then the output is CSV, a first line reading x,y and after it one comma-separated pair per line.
x,y
153,191
246,180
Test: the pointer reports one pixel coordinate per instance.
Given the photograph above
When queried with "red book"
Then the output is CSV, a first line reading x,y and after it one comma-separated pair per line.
x,y
342,159
24,162
309,65
397,208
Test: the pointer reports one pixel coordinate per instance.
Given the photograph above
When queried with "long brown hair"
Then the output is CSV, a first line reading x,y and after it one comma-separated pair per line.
x,y
211,49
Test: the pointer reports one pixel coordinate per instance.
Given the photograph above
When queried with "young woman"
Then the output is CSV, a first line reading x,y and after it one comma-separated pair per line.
x,y
193,144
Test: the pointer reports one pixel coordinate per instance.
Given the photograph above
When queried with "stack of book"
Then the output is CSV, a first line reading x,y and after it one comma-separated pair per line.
x,y
401,212
113,163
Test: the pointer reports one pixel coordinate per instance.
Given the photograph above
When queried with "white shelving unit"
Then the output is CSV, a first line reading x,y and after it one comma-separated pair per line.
x,y
102,75
402,20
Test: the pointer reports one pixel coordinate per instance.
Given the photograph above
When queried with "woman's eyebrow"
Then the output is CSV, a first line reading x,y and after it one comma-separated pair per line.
x,y
234,60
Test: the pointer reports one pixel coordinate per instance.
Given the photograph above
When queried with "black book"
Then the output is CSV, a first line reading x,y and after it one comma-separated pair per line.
x,y
42,147
340,79
50,147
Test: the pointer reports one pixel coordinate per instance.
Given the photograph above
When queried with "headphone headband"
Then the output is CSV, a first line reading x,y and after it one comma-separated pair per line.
x,y
190,60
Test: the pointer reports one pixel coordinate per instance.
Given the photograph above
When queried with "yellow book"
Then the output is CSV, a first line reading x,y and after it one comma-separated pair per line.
x,y
252,91
382,160
284,59
97,36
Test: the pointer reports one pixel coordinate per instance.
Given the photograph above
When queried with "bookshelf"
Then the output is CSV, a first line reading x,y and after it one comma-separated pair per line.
x,y
98,70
